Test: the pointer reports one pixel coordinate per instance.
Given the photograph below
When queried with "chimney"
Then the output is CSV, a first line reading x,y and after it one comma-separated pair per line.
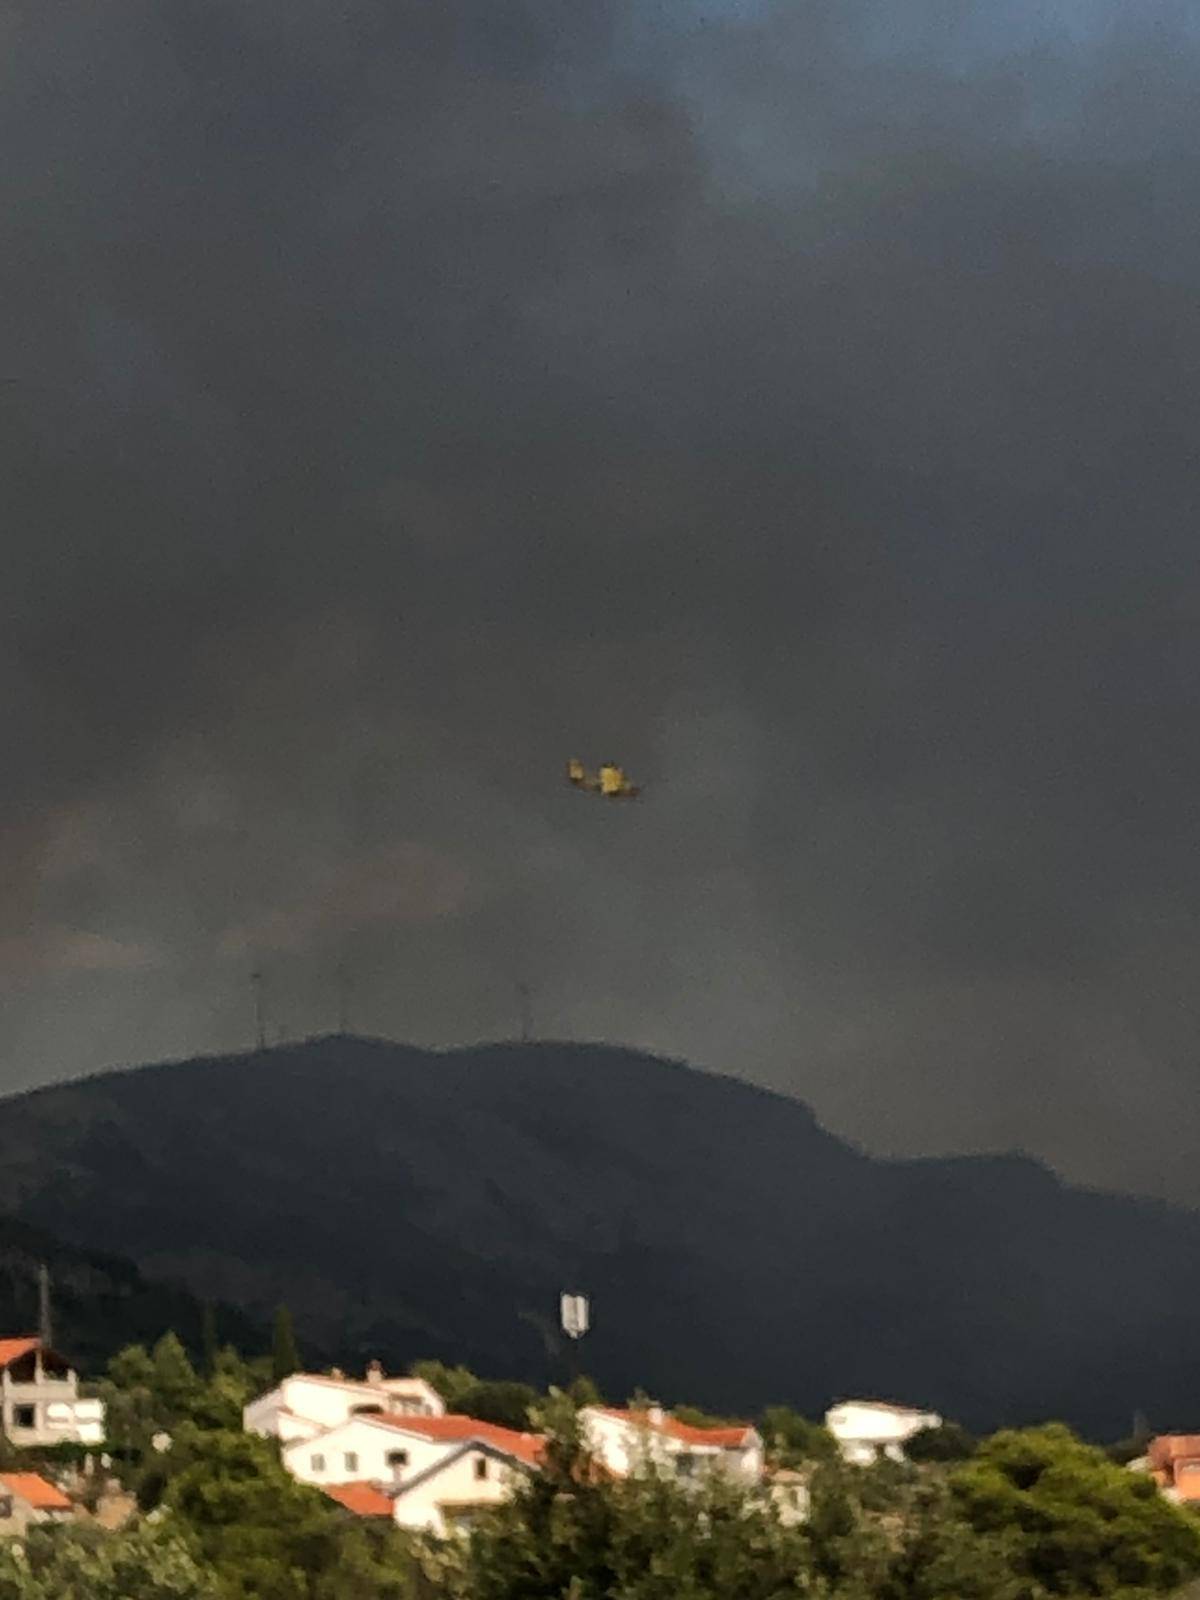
x,y
336,1372
375,1373
655,1414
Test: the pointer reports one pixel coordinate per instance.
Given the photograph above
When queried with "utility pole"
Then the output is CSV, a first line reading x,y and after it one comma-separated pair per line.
x,y
45,1324
260,1027
526,1010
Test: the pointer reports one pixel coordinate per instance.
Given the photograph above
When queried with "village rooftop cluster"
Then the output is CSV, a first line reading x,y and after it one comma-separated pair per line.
x,y
386,1447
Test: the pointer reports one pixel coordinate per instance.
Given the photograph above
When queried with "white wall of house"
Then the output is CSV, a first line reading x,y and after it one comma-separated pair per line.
x,y
48,1410
361,1451
288,1427
866,1429
320,1402
750,1461
413,1397
81,1421
615,1443
317,1400
465,1480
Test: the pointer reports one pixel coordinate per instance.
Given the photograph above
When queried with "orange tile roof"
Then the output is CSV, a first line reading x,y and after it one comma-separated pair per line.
x,y
35,1491
527,1447
360,1498
13,1349
735,1438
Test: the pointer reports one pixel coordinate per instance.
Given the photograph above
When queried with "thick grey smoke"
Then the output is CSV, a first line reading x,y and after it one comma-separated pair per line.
x,y
797,402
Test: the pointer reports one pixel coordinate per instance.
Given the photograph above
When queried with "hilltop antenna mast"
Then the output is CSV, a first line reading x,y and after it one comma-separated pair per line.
x,y
526,1011
344,993
45,1324
260,1026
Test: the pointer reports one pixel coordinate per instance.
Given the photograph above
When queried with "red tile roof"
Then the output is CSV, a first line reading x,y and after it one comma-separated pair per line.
x,y
360,1498
35,1491
13,1349
527,1447
735,1438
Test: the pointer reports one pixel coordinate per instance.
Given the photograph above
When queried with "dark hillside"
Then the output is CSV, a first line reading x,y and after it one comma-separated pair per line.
x,y
100,1302
407,1203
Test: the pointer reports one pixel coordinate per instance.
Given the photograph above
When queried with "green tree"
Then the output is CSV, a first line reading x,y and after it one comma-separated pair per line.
x,y
208,1339
90,1564
245,1517
507,1404
285,1358
175,1382
573,1533
452,1383
147,1392
886,1488
950,1442
695,1418
1080,1524
792,1440
583,1391
848,1552
268,1537
940,1556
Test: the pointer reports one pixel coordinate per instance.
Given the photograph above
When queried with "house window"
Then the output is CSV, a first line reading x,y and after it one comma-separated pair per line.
x,y
481,1467
685,1466
351,1461
5,1507
318,1463
24,1416
397,1458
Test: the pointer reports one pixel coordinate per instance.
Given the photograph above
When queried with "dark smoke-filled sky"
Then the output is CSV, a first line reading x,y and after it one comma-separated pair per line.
x,y
798,403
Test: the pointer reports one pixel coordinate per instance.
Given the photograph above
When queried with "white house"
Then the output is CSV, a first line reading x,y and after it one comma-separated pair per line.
x,y
620,1440
436,1471
865,1430
790,1494
308,1404
27,1498
391,1450
40,1403
369,1448
467,1478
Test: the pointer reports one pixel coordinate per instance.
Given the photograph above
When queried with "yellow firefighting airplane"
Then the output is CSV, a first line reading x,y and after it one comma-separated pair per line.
x,y
610,782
